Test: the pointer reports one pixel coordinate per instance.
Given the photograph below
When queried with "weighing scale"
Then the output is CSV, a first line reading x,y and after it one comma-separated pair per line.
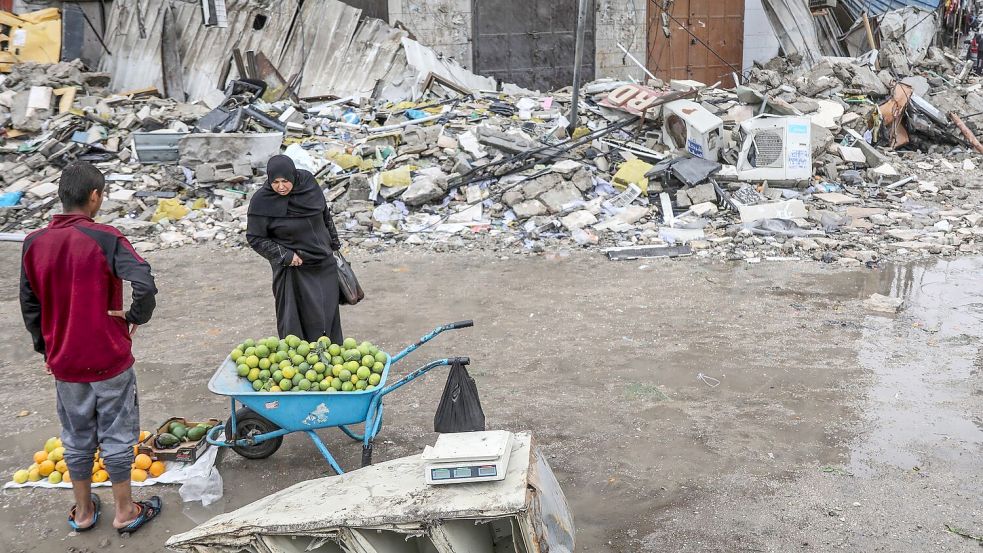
x,y
468,457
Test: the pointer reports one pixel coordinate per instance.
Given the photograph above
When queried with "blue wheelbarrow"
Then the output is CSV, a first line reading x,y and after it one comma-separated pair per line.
x,y
256,430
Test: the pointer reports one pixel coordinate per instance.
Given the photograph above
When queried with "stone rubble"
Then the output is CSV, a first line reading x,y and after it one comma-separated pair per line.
x,y
489,175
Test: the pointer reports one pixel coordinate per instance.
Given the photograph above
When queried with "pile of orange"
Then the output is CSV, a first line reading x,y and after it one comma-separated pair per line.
x,y
50,463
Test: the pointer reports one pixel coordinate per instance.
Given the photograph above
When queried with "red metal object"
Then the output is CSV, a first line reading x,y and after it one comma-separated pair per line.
x,y
6,5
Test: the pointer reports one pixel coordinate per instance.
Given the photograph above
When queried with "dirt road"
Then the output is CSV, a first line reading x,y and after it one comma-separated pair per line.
x,y
685,406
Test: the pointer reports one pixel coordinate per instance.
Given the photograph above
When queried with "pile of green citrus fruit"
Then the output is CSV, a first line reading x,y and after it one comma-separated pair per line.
x,y
293,365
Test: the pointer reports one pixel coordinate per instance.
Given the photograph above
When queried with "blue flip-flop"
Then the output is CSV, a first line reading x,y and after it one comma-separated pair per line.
x,y
97,504
149,510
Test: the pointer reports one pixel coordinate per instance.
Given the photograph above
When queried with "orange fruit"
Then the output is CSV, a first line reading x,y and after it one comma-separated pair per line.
x,y
61,466
46,467
40,457
136,450
144,434
66,477
142,461
156,469
100,476
138,475
95,467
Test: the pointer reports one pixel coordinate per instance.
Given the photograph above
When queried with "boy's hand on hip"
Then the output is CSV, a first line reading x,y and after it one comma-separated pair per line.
x,y
121,315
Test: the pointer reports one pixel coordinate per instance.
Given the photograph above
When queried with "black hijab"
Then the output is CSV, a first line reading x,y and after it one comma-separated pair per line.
x,y
305,200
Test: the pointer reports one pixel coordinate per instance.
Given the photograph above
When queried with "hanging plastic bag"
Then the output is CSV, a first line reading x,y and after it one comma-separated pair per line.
x,y
460,408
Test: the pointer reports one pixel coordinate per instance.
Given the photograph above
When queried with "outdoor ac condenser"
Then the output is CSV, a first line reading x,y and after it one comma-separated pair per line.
x,y
689,126
775,148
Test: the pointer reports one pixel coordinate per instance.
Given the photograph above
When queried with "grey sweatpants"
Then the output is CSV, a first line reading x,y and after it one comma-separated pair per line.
x,y
102,414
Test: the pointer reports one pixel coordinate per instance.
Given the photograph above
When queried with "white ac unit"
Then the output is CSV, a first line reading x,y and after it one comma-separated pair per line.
x,y
775,148
691,127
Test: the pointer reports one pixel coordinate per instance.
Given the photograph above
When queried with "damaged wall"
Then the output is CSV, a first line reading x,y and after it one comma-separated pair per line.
x,y
447,26
760,42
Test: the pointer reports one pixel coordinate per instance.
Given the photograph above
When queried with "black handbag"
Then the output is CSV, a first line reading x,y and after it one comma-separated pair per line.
x,y
351,290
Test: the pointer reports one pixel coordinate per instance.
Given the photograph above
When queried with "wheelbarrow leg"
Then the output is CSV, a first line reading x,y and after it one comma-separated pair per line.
x,y
324,451
351,433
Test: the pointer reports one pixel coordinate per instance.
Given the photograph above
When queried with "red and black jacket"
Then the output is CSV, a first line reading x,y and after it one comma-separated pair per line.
x,y
71,277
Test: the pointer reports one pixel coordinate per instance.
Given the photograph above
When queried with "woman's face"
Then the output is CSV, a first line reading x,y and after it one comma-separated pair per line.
x,y
282,186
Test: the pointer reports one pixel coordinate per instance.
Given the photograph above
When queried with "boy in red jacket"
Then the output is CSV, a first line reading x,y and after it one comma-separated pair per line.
x,y
71,296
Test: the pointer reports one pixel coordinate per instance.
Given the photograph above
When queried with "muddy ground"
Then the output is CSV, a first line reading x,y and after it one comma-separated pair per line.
x,y
815,425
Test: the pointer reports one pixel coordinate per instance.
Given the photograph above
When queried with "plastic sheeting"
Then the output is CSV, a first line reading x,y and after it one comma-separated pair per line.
x,y
389,508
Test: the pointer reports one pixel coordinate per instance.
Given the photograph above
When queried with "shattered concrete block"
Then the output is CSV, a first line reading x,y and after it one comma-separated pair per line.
x,y
359,188
632,214
447,142
703,209
583,180
426,187
702,193
529,208
557,198
578,219
512,197
541,184
566,167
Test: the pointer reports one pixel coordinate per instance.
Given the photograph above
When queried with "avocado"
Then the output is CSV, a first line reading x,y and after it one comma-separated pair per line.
x,y
175,425
179,431
196,433
166,440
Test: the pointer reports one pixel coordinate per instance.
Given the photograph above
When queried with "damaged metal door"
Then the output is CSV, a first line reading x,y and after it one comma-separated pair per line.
x,y
378,9
530,42
718,23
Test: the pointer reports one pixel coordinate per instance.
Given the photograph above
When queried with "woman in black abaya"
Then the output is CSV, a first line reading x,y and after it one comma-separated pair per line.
x,y
289,224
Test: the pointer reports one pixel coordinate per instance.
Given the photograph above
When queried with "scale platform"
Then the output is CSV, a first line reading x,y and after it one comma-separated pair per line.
x,y
468,457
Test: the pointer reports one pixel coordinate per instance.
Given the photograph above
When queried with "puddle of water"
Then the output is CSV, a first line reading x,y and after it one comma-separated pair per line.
x,y
923,360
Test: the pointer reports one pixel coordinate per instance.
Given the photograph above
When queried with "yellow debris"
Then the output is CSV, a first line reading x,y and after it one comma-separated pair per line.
x,y
632,172
171,208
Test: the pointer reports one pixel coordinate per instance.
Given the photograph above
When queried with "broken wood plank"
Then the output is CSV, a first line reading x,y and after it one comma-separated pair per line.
x,y
170,57
66,98
966,132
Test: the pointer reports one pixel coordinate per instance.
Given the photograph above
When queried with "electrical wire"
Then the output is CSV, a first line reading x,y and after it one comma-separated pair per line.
x,y
696,38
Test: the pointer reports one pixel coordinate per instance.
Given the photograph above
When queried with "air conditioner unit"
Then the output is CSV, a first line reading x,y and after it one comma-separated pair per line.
x,y
775,148
691,127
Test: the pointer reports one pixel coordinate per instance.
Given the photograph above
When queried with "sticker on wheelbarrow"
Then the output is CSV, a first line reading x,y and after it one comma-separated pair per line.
x,y
271,404
318,416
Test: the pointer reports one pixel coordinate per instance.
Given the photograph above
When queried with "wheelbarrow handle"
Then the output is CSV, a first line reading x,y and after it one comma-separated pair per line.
x,y
433,334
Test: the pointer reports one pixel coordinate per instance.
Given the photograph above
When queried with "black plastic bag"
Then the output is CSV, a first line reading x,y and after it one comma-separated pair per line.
x,y
351,290
460,408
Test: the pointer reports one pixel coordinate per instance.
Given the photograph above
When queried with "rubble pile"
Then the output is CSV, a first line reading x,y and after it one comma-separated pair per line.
x,y
678,168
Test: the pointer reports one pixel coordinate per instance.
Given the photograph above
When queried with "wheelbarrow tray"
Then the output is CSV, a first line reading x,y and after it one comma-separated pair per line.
x,y
296,411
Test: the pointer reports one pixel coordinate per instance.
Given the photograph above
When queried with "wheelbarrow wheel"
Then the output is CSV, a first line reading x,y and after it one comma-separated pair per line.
x,y
249,423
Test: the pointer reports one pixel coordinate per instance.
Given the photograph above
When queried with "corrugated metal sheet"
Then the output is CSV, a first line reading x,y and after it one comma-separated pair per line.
x,y
205,51
876,7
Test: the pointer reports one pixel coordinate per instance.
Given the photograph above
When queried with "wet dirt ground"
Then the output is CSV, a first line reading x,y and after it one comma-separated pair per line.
x,y
685,406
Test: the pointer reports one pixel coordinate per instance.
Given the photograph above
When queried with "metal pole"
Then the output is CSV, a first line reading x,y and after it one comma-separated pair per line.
x,y
579,53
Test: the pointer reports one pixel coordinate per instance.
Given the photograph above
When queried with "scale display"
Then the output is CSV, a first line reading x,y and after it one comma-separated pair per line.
x,y
457,473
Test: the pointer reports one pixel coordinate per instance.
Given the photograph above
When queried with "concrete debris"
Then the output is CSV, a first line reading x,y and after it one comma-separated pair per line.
x,y
883,304
823,157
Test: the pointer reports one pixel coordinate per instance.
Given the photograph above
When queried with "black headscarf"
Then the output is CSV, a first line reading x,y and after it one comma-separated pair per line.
x,y
304,200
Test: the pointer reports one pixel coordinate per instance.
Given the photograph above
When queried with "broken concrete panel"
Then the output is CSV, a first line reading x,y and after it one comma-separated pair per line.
x,y
557,198
254,148
883,304
837,198
702,193
790,209
428,185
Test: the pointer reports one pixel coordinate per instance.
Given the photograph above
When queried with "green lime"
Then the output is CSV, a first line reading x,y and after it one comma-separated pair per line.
x,y
293,341
304,367
378,367
373,350
252,361
369,388
297,360
262,351
257,385
336,383
363,373
288,372
336,370
319,368
337,360
324,385
253,374
264,375
311,375
331,391
282,346
286,384
352,366
312,358
249,342
303,349
364,349
374,379
349,343
361,384
297,378
236,354
242,370
381,356
347,387
284,364
264,364
334,350
345,375
304,384
277,375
